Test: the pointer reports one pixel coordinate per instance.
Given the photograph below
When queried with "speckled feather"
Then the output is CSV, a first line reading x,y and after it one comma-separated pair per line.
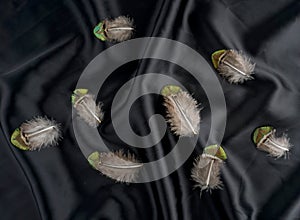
x,y
241,62
85,114
119,35
179,125
45,139
201,169
274,151
126,173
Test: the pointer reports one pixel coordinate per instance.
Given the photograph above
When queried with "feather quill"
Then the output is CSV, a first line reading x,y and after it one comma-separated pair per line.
x,y
116,165
36,133
183,112
206,170
87,108
234,65
118,29
266,140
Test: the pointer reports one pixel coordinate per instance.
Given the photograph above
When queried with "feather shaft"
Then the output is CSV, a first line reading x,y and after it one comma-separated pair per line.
x,y
131,166
277,145
183,114
120,28
35,133
209,172
238,70
233,67
81,101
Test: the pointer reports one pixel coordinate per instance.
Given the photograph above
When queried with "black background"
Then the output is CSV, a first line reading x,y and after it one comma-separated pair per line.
x,y
46,44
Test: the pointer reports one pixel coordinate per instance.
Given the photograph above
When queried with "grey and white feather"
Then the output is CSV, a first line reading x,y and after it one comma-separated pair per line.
x,y
118,166
206,172
40,132
235,66
119,29
89,110
275,146
183,113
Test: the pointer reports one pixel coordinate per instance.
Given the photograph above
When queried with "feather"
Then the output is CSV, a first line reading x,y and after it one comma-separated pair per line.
x,y
208,176
86,107
234,65
37,133
118,29
206,170
116,165
182,111
265,139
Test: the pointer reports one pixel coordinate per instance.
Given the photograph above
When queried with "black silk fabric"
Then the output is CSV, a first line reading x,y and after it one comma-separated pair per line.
x,y
46,44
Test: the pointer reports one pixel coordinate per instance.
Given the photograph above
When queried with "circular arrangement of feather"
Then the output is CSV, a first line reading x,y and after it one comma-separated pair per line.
x,y
183,117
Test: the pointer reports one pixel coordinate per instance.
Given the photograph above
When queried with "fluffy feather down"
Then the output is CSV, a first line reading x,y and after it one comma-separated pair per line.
x,y
183,114
236,59
206,172
119,29
88,110
49,137
118,166
275,146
